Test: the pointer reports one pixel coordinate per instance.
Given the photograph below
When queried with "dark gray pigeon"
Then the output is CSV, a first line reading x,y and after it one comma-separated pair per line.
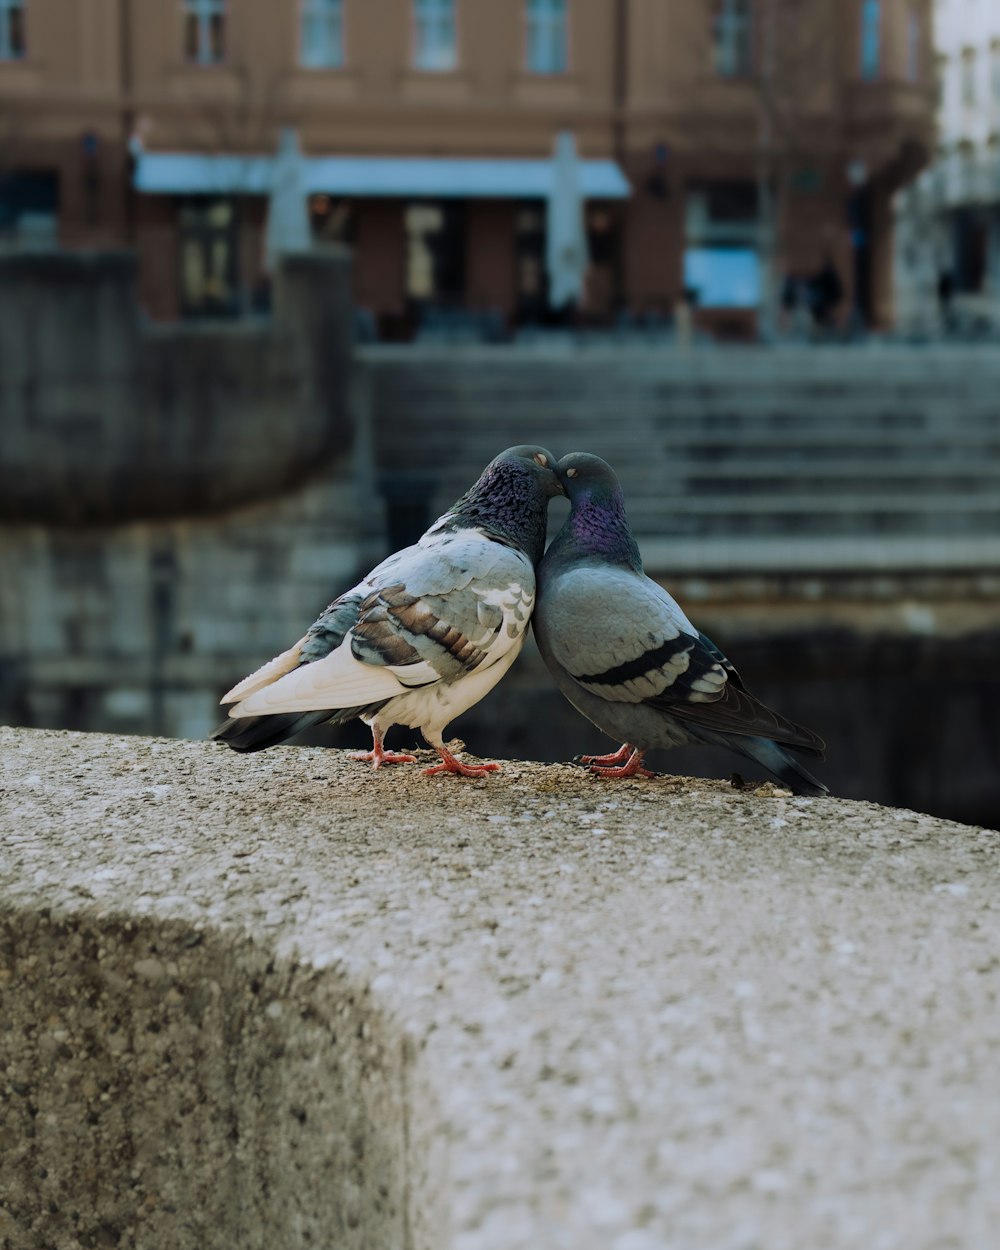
x,y
425,635
626,656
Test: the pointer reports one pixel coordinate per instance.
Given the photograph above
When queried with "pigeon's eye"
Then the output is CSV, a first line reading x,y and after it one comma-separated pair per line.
x,y
571,472
542,460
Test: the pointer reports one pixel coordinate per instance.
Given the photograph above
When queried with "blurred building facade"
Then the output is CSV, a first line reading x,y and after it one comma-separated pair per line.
x,y
948,236
759,139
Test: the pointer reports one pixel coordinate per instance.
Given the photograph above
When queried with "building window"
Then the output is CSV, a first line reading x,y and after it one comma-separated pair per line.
x,y
435,47
208,247
995,69
11,30
972,243
871,38
732,50
435,253
322,36
333,220
968,78
914,39
29,208
530,278
546,36
721,253
204,31
941,81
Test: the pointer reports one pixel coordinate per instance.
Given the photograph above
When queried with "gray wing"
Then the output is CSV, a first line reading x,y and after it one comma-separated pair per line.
x,y
330,628
441,612
447,576
622,638
445,607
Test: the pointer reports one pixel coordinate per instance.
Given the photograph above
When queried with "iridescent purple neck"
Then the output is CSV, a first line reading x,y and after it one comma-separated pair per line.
x,y
599,526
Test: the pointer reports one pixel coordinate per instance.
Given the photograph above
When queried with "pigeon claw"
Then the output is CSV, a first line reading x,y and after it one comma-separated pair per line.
x,y
620,756
631,768
450,764
378,757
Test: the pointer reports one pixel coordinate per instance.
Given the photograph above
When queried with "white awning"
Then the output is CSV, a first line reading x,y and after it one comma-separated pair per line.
x,y
396,177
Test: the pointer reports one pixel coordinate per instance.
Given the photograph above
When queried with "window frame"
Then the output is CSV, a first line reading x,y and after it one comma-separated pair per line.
x,y
914,45
421,21
8,8
328,13
549,21
995,72
732,38
196,229
446,251
967,85
870,42
204,12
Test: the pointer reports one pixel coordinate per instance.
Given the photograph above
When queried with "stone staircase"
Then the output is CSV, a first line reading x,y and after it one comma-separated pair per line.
x,y
788,459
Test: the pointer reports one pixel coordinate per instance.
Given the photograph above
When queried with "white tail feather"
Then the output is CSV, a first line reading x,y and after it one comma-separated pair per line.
x,y
338,680
266,674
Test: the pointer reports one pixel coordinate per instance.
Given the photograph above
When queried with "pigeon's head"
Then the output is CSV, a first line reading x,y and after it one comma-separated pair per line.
x,y
532,467
511,498
597,524
586,477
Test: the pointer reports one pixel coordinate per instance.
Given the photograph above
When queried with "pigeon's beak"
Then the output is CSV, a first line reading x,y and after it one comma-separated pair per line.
x,y
554,484
560,472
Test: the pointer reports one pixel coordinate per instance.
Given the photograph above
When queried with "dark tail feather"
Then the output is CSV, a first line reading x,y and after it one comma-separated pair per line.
x,y
256,733
779,762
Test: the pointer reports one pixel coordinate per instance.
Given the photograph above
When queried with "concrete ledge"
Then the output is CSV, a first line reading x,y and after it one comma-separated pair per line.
x,y
281,1002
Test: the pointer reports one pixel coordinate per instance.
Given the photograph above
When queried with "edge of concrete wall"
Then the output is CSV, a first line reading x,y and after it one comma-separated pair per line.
x,y
283,1001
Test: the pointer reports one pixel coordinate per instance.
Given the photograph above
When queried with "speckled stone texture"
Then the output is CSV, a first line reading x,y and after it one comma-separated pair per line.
x,y
279,1001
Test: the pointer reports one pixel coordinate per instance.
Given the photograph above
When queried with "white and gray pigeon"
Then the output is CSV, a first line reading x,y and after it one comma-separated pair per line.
x,y
626,656
424,636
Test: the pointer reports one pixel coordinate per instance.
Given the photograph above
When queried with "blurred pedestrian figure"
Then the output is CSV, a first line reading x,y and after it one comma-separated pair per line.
x,y
826,291
684,319
795,304
946,297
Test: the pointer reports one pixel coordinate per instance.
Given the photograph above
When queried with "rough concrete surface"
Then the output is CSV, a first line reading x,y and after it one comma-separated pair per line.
x,y
280,1001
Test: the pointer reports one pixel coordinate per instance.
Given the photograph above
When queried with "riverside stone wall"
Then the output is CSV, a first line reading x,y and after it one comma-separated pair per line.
x,y
282,1001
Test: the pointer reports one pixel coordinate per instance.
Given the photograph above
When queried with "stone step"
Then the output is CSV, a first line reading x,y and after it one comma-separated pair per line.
x,y
603,390
821,446
892,501
599,386
682,523
864,446
742,460
667,510
411,412
756,476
